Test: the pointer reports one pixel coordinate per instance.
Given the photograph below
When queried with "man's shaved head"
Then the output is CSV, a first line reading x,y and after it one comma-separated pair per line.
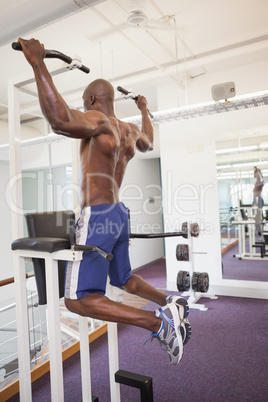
x,y
99,90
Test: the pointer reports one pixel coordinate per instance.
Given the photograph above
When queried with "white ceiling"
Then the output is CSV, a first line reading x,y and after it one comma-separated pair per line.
x,y
184,40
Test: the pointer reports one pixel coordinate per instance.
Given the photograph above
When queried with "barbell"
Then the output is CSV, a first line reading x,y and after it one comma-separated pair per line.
x,y
194,232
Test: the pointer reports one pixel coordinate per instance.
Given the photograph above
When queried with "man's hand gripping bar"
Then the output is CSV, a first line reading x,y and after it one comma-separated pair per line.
x,y
132,96
54,54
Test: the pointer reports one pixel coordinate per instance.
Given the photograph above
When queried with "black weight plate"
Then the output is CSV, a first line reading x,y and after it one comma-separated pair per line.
x,y
195,281
183,281
184,229
194,229
203,282
179,280
182,252
186,281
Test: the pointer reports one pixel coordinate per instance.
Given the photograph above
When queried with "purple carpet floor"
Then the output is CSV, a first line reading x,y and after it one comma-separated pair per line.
x,y
155,274
225,360
248,270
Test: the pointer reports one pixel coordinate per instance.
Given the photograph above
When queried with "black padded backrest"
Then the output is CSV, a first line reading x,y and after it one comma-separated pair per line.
x,y
49,224
243,212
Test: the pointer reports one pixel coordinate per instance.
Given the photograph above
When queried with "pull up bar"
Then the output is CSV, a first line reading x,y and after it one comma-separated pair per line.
x,y
83,247
194,232
131,95
103,253
54,54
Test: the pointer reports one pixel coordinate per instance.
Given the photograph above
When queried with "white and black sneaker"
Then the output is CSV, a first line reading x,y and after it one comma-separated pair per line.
x,y
183,309
169,334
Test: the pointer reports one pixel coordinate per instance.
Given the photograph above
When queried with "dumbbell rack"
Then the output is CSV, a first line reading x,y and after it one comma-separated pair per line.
x,y
193,295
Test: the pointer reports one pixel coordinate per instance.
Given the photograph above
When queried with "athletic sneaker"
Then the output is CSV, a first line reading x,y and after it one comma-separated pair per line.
x,y
183,309
169,335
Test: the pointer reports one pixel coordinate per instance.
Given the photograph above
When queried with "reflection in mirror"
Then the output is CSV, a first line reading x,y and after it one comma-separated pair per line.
x,y
243,217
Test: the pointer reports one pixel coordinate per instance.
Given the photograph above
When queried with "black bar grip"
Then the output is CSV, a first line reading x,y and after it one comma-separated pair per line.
x,y
122,90
104,254
16,46
54,54
126,92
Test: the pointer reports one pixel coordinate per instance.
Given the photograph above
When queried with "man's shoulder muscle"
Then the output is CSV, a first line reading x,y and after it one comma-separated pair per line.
x,y
96,116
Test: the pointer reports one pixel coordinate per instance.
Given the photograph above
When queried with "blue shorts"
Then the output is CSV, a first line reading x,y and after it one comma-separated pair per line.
x,y
105,226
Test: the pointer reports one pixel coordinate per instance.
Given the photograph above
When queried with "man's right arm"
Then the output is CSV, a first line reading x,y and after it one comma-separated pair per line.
x,y
62,119
145,139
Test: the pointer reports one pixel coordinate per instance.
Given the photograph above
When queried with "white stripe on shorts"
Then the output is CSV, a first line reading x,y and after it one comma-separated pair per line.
x,y
73,267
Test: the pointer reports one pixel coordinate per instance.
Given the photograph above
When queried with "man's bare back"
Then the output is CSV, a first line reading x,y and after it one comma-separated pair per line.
x,y
104,157
99,156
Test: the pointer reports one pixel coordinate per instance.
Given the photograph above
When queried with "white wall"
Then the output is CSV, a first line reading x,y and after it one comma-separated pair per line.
x,y
37,156
190,194
140,186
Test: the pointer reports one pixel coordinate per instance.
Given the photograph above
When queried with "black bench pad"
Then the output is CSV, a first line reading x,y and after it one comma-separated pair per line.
x,y
45,244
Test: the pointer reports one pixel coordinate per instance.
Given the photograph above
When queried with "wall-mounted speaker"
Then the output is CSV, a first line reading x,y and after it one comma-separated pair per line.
x,y
223,91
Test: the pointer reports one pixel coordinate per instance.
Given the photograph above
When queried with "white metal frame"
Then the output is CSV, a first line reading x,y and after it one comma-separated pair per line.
x,y
194,296
19,259
55,349
251,253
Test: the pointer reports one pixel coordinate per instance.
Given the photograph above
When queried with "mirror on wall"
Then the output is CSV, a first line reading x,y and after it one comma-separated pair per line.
x,y
243,211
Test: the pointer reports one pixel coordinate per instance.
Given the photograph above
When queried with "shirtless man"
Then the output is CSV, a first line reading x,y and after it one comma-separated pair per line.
x,y
259,183
107,145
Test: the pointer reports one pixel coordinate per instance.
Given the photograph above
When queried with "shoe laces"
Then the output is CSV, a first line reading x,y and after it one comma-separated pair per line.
x,y
164,346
